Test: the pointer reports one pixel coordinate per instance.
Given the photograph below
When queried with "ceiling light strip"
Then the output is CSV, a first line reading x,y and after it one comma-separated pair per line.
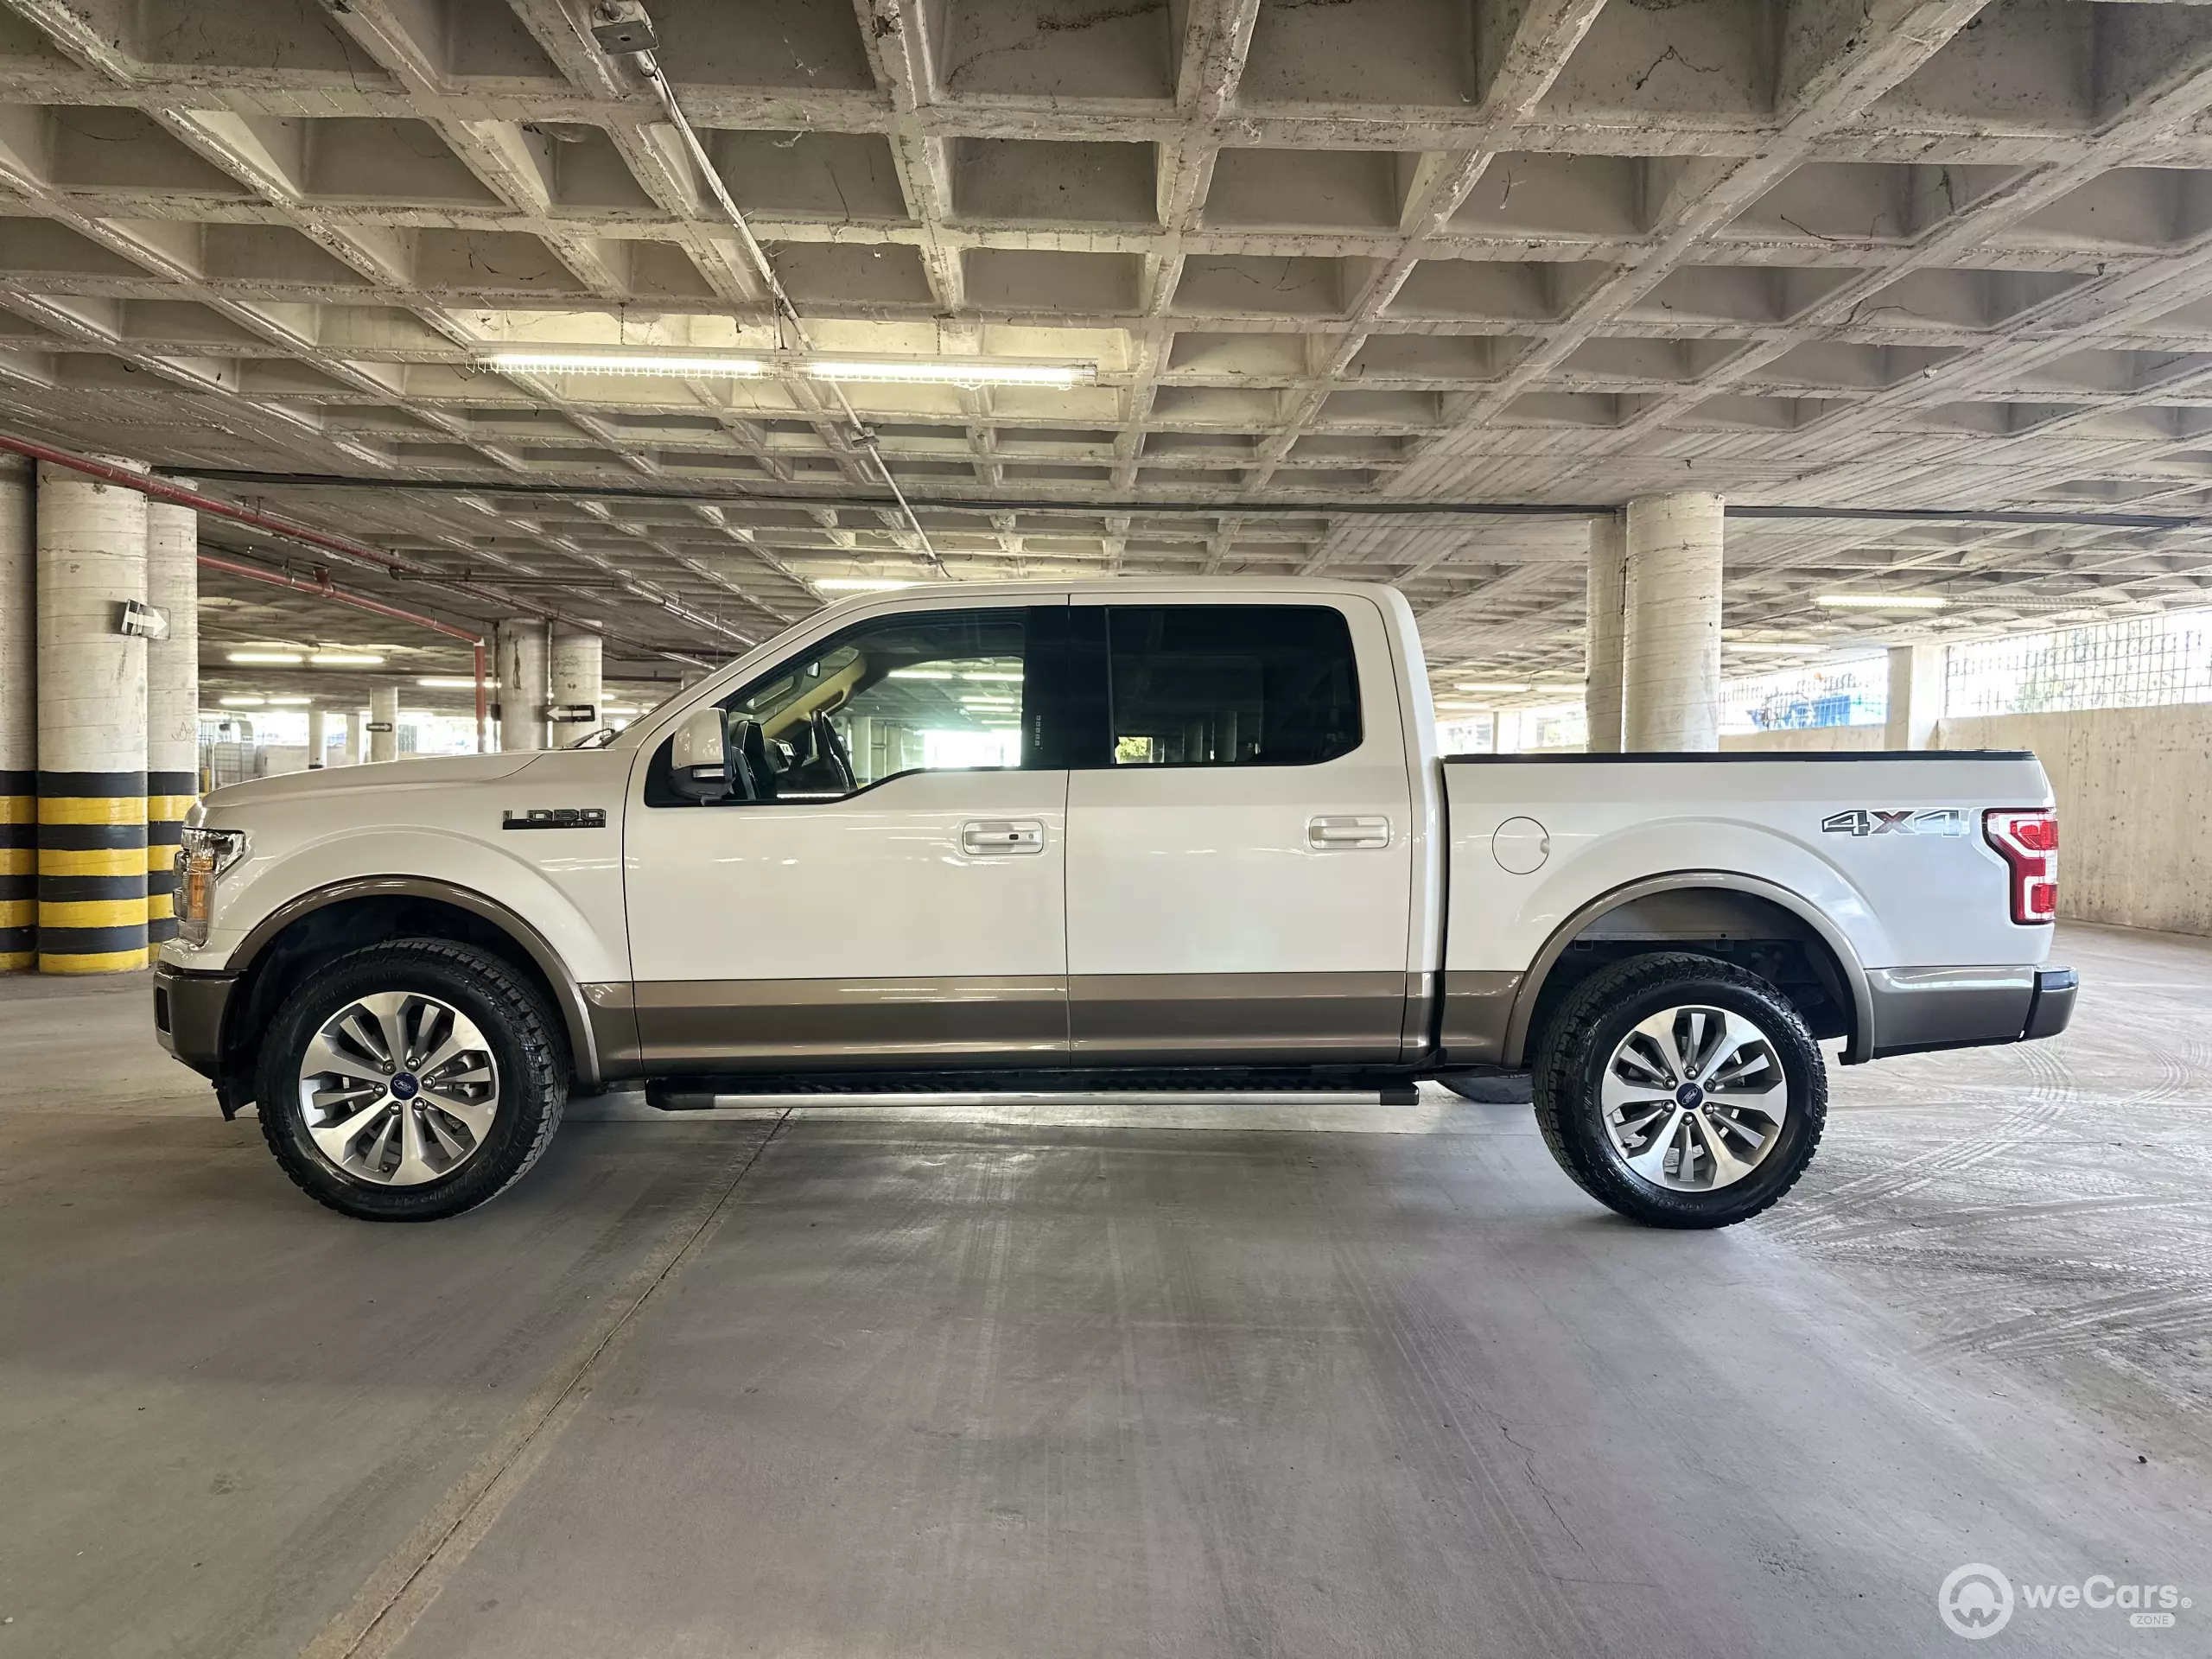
x,y
614,363
1881,601
888,371
649,62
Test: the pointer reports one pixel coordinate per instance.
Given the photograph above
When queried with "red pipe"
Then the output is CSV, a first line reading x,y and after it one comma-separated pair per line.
x,y
162,490
340,597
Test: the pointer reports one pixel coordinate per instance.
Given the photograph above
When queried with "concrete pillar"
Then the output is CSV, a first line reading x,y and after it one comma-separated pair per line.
x,y
172,704
574,675
91,726
383,723
520,644
318,739
1601,688
1916,695
18,719
1670,672
352,755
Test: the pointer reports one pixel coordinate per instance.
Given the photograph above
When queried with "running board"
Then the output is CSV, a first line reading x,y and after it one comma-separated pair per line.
x,y
701,1093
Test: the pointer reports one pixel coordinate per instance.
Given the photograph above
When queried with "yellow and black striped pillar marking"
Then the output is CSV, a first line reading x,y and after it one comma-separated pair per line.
x,y
169,796
92,872
18,871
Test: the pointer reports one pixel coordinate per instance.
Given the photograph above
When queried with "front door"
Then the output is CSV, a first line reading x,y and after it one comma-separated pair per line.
x,y
1240,870
896,894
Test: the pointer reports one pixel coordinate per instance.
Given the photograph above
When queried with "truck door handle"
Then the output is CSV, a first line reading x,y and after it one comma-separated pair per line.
x,y
1327,835
995,837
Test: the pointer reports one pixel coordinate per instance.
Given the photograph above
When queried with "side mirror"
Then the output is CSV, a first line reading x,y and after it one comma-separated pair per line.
x,y
702,763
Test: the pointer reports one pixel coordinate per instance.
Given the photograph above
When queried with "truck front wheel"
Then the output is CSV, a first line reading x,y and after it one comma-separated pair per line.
x,y
410,1080
1680,1090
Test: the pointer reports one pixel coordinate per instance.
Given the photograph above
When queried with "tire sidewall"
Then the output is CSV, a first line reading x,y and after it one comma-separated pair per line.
x,y
1803,1068
523,1096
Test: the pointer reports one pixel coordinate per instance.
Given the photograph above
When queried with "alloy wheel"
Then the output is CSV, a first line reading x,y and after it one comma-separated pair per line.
x,y
1694,1098
398,1088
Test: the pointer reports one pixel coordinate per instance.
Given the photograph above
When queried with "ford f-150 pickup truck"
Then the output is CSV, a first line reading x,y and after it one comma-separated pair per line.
x,y
1127,833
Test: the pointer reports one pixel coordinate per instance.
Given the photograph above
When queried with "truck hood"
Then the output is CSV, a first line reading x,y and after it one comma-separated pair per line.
x,y
432,771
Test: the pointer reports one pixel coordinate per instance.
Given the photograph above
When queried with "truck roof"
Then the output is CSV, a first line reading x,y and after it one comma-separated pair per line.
x,y
1126,586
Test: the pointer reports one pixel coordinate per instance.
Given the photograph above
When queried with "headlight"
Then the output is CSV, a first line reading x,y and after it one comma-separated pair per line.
x,y
204,855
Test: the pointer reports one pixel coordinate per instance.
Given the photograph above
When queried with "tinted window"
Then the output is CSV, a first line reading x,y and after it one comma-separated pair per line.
x,y
1217,685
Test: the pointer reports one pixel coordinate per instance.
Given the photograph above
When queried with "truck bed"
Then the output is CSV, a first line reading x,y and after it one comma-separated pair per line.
x,y
1883,853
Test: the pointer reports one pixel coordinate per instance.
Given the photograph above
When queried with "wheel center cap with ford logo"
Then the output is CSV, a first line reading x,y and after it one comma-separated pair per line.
x,y
404,1085
1689,1096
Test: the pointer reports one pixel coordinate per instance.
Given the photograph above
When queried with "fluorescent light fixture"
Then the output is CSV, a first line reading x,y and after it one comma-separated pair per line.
x,y
926,371
992,674
1563,690
243,702
859,584
448,683
1881,601
268,658
1506,686
290,702
346,659
989,703
921,674
617,708
1754,650
742,368
956,374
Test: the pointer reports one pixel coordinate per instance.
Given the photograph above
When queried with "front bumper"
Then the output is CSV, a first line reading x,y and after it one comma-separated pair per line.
x,y
1919,1009
189,1010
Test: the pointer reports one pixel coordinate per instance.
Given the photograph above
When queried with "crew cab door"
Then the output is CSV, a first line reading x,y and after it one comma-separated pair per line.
x,y
895,894
1239,835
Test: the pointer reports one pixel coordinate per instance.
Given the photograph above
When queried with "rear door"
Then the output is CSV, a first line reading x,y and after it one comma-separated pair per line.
x,y
1239,827
897,897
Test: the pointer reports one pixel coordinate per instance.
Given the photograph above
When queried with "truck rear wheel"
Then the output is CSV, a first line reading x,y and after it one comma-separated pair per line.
x,y
1681,1091
410,1080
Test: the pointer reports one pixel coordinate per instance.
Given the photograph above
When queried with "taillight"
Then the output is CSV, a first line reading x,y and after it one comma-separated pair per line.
x,y
2026,838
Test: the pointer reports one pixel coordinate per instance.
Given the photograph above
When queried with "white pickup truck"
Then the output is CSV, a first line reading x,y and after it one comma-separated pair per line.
x,y
1124,834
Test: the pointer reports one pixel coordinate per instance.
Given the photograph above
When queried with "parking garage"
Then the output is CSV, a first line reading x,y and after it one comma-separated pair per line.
x,y
381,383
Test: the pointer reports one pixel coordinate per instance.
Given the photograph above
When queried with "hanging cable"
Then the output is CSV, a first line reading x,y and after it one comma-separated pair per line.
x,y
858,431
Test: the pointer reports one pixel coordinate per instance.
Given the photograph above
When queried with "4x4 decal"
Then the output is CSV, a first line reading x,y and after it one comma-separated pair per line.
x,y
1881,821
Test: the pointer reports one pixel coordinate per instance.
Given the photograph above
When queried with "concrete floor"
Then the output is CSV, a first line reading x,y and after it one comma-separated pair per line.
x,y
1103,1379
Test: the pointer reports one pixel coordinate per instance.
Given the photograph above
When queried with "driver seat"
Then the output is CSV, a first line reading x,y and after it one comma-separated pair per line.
x,y
821,769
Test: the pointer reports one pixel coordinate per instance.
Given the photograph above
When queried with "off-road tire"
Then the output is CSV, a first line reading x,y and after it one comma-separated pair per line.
x,y
517,1025
1580,1041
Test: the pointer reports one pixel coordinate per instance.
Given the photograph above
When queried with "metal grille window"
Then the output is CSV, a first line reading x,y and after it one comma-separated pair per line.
x,y
1555,726
2137,663
1465,734
1843,694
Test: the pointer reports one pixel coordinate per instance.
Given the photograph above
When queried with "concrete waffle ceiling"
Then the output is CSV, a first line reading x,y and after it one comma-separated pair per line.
x,y
1937,253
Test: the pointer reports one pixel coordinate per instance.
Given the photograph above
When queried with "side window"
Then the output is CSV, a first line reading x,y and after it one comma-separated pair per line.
x,y
1219,685
934,691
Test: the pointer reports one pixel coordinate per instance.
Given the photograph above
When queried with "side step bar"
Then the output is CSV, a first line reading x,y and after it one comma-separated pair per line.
x,y
699,1094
